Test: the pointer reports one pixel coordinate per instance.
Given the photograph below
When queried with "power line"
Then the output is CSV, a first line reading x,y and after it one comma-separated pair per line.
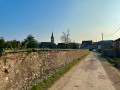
x,y
115,29
114,32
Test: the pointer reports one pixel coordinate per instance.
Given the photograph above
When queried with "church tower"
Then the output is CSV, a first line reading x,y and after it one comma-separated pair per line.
x,y
52,38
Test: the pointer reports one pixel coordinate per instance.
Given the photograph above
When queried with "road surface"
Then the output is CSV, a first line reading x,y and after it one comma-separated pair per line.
x,y
88,74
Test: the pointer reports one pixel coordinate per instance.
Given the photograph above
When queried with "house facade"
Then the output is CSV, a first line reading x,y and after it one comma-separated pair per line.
x,y
117,44
86,44
117,47
106,44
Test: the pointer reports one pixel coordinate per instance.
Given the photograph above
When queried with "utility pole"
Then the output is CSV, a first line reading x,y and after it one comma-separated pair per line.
x,y
102,36
102,42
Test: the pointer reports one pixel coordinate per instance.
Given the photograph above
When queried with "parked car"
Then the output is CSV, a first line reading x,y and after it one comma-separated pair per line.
x,y
94,50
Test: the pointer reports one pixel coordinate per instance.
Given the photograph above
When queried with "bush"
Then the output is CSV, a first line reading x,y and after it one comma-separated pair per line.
x,y
1,50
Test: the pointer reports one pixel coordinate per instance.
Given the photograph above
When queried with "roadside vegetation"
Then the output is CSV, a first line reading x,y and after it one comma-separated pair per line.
x,y
114,61
46,83
29,42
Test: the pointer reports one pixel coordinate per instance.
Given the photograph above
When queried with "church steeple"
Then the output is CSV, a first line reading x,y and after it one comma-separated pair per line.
x,y
52,35
52,38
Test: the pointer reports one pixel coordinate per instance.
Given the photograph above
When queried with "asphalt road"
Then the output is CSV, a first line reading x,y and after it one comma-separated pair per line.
x,y
88,74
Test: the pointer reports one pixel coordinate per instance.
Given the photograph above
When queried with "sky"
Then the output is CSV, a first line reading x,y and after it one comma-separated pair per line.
x,y
86,19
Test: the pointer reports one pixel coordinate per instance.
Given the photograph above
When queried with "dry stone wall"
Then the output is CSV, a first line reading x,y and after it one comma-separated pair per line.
x,y
21,69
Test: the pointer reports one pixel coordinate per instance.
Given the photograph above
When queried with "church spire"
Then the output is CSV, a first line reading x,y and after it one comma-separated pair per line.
x,y
52,35
52,38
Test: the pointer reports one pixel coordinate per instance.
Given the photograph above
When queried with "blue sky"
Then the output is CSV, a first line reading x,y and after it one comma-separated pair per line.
x,y
86,19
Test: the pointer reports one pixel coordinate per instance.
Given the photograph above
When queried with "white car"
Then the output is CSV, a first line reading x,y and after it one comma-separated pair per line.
x,y
94,50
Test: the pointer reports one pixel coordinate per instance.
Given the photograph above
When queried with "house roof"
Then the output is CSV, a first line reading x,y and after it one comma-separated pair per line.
x,y
87,42
45,42
117,39
107,43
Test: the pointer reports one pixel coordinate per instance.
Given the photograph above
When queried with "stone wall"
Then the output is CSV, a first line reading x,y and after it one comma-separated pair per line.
x,y
21,69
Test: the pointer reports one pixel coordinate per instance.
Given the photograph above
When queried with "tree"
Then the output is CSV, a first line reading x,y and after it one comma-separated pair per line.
x,y
2,42
30,42
52,46
2,45
8,44
15,44
65,37
24,44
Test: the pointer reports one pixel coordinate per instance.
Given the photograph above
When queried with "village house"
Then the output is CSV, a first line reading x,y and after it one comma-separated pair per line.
x,y
48,44
117,47
86,44
106,44
117,44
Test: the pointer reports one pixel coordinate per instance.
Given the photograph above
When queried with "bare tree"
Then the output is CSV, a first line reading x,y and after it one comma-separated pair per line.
x,y
65,37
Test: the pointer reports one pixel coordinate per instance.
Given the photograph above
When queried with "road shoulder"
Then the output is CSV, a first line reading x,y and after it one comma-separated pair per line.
x,y
112,72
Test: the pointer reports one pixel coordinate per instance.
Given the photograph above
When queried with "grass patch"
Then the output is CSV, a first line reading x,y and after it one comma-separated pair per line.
x,y
46,83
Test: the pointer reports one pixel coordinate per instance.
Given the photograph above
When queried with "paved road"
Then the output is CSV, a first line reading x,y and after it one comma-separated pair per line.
x,y
88,74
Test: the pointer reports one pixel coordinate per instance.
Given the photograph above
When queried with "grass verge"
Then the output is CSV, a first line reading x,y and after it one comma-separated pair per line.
x,y
112,62
46,83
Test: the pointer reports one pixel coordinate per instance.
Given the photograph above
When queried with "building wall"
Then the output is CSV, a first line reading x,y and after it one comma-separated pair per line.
x,y
117,44
117,47
21,69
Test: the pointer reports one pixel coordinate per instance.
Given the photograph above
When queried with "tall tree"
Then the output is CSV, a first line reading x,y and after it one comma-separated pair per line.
x,y
31,42
65,37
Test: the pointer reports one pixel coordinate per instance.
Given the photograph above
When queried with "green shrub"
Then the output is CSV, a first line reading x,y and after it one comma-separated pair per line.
x,y
1,51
